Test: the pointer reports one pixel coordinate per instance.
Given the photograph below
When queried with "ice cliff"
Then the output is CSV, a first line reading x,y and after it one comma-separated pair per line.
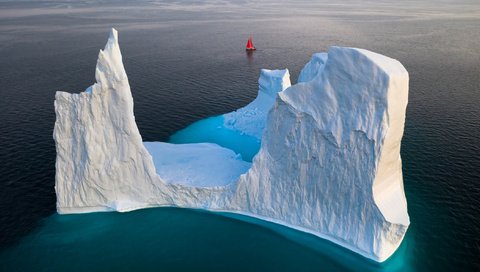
x,y
329,162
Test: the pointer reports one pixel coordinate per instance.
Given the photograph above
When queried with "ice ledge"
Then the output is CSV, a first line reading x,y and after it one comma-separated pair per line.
x,y
314,172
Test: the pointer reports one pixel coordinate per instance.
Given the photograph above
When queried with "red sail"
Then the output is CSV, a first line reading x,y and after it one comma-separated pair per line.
x,y
250,43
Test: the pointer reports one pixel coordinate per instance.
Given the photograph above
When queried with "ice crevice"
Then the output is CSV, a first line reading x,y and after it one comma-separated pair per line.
x,y
321,156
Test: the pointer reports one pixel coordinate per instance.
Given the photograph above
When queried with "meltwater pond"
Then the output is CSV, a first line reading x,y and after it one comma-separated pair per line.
x,y
212,130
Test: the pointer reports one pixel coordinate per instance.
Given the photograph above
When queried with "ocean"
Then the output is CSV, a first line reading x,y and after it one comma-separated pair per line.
x,y
186,61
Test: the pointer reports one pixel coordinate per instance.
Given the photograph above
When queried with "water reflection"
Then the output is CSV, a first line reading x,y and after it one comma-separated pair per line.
x,y
249,55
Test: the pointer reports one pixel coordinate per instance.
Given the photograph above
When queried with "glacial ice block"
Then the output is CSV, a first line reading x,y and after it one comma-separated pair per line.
x,y
329,162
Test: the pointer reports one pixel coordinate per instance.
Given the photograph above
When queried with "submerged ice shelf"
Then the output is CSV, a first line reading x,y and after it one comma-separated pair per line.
x,y
328,162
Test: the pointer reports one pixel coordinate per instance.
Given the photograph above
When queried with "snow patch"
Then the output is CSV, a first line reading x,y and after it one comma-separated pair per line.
x,y
199,165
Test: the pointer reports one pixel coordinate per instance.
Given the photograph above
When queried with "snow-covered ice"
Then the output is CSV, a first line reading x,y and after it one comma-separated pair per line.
x,y
329,162
200,165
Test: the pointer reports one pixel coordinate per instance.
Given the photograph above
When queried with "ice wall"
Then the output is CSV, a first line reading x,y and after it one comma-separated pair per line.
x,y
99,148
330,156
329,162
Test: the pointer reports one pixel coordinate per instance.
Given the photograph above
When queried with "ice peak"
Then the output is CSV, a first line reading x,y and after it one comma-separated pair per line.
x,y
113,35
313,68
109,64
273,81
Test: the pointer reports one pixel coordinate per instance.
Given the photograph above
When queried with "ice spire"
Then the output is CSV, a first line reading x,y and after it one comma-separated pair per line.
x,y
109,64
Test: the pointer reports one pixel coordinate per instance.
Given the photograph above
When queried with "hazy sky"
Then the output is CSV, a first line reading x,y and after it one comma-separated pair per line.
x,y
426,8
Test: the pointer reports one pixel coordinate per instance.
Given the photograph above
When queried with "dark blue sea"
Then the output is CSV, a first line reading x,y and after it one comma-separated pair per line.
x,y
186,61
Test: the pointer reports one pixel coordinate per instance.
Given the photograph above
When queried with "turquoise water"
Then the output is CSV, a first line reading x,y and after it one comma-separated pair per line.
x,y
170,239
212,130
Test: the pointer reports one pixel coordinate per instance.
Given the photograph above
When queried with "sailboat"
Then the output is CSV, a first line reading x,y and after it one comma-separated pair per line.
x,y
250,46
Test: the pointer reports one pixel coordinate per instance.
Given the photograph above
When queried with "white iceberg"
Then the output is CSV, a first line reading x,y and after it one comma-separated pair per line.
x,y
329,162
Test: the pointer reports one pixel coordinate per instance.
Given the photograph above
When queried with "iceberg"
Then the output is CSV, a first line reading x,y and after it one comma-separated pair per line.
x,y
328,161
